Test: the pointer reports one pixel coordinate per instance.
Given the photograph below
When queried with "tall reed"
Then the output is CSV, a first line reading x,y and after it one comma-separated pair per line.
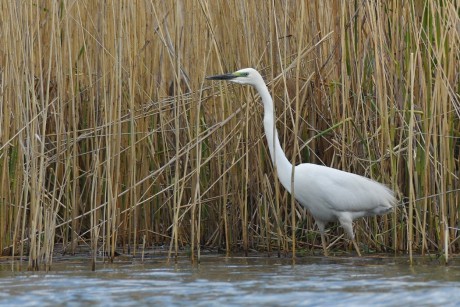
x,y
110,138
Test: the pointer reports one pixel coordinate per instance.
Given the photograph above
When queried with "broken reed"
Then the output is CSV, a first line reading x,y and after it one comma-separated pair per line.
x,y
111,139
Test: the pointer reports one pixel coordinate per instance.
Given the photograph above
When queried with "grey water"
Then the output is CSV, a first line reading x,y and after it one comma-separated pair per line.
x,y
236,281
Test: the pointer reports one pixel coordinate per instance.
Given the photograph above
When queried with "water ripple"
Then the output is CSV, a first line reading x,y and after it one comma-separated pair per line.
x,y
229,282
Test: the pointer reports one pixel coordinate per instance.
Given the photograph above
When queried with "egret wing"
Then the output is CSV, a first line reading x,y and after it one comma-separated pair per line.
x,y
340,191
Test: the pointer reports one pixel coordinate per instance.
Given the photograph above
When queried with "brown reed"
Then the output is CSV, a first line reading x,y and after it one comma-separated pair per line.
x,y
111,139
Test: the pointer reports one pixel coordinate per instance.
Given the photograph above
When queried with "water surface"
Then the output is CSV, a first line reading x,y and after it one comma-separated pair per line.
x,y
223,281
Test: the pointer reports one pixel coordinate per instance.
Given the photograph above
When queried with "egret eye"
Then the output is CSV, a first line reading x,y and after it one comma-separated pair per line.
x,y
244,74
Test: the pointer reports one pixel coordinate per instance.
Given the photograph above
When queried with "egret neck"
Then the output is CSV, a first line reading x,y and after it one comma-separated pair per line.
x,y
276,152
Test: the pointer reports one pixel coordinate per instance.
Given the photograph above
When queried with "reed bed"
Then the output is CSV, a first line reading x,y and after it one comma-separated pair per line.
x,y
111,139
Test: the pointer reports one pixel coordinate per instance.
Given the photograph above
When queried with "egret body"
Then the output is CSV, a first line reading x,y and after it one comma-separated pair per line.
x,y
329,194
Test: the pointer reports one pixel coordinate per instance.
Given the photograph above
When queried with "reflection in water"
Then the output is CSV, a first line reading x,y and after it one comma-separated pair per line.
x,y
219,281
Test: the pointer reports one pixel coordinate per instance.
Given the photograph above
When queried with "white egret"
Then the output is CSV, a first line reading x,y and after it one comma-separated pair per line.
x,y
329,194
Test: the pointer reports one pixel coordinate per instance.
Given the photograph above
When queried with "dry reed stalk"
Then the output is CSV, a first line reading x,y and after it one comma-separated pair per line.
x,y
411,168
97,148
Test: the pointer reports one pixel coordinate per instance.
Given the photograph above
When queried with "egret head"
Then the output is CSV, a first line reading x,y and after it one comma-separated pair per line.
x,y
243,76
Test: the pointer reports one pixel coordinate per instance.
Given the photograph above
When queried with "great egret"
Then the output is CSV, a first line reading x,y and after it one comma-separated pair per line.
x,y
329,194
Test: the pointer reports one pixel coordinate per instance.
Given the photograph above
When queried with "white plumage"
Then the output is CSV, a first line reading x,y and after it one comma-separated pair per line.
x,y
329,194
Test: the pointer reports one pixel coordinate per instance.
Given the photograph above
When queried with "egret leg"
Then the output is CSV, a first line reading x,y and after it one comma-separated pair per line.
x,y
348,227
321,227
323,242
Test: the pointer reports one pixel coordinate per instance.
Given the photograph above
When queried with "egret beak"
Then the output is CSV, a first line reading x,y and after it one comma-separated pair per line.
x,y
222,77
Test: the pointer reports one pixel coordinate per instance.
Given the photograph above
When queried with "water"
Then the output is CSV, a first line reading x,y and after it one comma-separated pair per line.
x,y
237,281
